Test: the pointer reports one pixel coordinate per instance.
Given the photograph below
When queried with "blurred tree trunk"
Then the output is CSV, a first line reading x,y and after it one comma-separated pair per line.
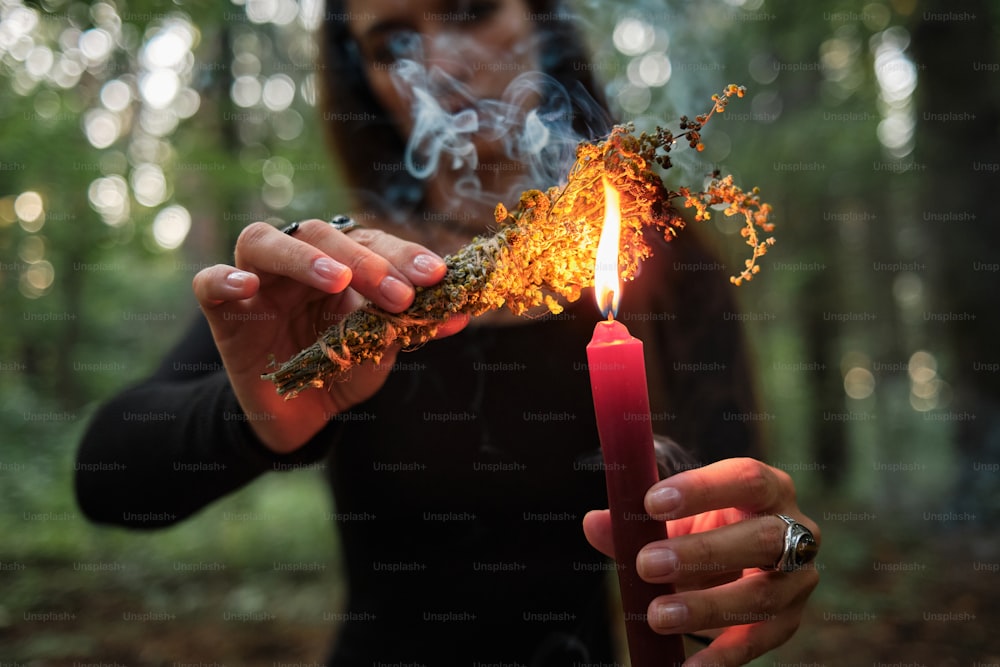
x,y
207,240
958,98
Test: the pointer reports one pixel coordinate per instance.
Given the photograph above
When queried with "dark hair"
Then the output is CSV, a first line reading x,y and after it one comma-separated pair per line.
x,y
363,123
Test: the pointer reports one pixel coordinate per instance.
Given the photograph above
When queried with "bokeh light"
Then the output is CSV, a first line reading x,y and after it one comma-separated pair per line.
x,y
109,196
927,390
278,92
29,207
116,95
278,12
39,62
158,122
859,383
171,226
246,91
168,48
101,127
31,249
633,36
96,45
187,102
655,69
149,185
37,279
922,367
896,76
159,87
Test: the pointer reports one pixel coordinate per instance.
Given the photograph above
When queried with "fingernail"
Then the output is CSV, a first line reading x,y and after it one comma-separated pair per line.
x,y
427,263
663,501
327,269
238,278
657,562
395,290
670,615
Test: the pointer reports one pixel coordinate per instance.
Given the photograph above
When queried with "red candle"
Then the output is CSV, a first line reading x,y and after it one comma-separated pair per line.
x,y
621,402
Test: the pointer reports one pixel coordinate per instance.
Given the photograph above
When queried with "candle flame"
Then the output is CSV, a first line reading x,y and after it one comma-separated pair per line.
x,y
607,286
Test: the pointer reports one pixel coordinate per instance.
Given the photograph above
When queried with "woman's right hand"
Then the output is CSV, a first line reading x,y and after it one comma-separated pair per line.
x,y
283,292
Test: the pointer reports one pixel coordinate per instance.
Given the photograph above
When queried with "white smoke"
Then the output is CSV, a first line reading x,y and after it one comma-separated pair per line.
x,y
532,121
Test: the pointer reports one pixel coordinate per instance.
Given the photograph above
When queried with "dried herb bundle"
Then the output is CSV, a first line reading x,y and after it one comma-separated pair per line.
x,y
546,247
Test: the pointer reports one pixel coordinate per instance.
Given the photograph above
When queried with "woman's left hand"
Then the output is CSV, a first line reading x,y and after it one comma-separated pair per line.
x,y
723,529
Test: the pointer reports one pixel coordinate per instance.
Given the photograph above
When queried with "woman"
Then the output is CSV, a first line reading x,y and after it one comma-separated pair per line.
x,y
461,471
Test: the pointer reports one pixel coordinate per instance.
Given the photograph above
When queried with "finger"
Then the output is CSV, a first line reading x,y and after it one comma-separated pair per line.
x,y
419,265
385,268
597,530
739,644
744,483
757,597
264,250
219,284
452,326
745,544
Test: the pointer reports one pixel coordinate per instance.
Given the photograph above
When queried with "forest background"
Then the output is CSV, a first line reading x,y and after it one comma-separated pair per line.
x,y
138,137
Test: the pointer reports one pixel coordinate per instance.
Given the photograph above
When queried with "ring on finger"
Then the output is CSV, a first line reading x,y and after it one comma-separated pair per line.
x,y
800,546
341,223
344,223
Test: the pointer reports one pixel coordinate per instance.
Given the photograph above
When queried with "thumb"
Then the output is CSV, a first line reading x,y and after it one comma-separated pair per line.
x,y
597,530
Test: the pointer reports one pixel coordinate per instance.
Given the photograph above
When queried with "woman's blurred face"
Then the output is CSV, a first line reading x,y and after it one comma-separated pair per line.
x,y
471,49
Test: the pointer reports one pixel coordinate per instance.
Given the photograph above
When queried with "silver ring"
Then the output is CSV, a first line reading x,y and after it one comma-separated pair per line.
x,y
800,546
341,223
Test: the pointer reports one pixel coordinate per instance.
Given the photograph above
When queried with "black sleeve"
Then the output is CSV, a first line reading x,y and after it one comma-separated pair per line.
x,y
167,447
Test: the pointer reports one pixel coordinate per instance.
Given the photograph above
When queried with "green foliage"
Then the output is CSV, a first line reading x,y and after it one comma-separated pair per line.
x,y
90,299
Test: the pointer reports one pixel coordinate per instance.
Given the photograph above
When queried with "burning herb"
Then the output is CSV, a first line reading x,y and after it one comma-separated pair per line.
x,y
546,247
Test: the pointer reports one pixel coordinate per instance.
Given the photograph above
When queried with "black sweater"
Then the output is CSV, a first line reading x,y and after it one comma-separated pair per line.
x,y
459,487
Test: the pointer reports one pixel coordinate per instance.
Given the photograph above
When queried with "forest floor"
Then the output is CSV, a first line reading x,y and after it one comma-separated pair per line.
x,y
213,592
920,613
212,618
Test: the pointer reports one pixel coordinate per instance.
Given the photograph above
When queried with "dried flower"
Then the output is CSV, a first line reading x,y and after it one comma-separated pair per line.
x,y
546,247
